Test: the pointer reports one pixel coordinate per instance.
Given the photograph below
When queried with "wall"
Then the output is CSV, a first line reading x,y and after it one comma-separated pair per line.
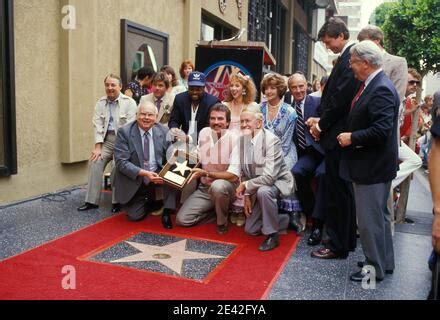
x,y
59,78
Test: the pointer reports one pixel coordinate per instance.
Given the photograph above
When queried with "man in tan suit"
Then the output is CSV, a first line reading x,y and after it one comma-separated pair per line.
x,y
111,112
161,98
265,177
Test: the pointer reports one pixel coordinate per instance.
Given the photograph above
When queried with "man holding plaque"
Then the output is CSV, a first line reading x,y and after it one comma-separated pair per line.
x,y
140,152
265,178
218,176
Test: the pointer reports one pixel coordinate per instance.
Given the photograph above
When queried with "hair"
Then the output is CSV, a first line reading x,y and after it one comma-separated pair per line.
x,y
367,50
248,87
255,110
161,77
333,27
220,107
113,76
414,73
183,65
277,81
145,103
323,81
145,72
296,75
315,82
169,70
435,111
373,33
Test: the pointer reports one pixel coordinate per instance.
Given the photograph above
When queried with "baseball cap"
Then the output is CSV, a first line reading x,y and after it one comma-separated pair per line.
x,y
196,79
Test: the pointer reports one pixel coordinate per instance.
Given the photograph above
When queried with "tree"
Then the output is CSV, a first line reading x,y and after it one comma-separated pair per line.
x,y
412,30
379,14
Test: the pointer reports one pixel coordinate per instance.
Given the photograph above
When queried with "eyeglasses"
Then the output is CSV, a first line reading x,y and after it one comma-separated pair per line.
x,y
413,82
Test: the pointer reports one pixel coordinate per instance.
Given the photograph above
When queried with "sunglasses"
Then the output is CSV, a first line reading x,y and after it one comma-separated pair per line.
x,y
413,82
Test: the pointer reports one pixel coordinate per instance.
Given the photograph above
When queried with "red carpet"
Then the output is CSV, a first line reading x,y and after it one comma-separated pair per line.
x,y
245,274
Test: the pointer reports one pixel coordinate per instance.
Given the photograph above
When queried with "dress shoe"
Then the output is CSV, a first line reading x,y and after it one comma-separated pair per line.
x,y
315,237
360,264
360,275
324,253
116,207
271,242
222,229
295,223
166,221
87,206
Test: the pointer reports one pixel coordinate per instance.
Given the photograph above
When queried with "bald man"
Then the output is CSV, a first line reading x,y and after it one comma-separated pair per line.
x,y
140,153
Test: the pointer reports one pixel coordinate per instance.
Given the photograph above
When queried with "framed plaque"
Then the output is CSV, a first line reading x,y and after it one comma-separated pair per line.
x,y
177,171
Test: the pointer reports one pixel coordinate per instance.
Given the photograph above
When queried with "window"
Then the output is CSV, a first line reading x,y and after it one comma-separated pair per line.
x,y
8,149
141,47
214,30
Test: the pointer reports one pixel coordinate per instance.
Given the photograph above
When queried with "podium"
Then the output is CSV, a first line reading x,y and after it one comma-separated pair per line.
x,y
218,60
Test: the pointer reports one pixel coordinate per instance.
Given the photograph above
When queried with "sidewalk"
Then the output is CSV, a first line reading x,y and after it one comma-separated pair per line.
x,y
32,223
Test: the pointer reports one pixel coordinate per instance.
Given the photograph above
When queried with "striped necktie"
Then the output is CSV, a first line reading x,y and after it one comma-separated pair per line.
x,y
300,126
146,155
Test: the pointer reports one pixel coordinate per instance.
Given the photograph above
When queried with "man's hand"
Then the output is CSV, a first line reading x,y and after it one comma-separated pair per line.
x,y
344,139
312,124
152,176
96,153
197,173
247,206
179,134
436,233
240,190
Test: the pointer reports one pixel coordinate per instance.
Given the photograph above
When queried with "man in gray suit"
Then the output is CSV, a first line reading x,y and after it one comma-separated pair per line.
x,y
265,177
140,153
111,112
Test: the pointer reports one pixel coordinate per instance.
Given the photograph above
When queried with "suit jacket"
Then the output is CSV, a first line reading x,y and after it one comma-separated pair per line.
x,y
166,106
124,113
181,114
268,167
372,156
396,69
311,105
129,158
336,99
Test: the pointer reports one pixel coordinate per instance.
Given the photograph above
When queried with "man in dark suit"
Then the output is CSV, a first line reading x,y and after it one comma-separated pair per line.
x,y
334,108
310,162
369,158
140,153
191,109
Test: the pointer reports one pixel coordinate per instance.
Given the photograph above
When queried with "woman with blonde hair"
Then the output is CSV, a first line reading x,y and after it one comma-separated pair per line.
x,y
240,94
280,119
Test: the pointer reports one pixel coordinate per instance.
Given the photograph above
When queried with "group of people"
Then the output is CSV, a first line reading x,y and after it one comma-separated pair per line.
x,y
332,155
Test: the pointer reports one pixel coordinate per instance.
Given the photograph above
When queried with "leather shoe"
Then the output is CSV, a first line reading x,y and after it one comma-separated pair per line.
x,y
87,206
295,223
360,264
360,275
166,221
116,207
324,253
271,242
315,237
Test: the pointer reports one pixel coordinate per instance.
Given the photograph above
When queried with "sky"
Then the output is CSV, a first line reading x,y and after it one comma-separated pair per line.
x,y
367,9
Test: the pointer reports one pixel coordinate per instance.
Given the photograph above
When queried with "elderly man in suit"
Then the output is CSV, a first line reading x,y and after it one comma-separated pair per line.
x,y
340,89
111,112
310,162
160,97
369,158
141,151
265,177
190,109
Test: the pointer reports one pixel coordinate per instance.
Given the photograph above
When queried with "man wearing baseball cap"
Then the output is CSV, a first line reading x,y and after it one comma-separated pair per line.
x,y
191,109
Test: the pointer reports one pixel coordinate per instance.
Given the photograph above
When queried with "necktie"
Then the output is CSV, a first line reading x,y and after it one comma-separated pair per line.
x,y
358,94
158,102
146,155
300,126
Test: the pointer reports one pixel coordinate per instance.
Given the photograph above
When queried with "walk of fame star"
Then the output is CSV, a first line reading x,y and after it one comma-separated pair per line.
x,y
171,255
182,167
